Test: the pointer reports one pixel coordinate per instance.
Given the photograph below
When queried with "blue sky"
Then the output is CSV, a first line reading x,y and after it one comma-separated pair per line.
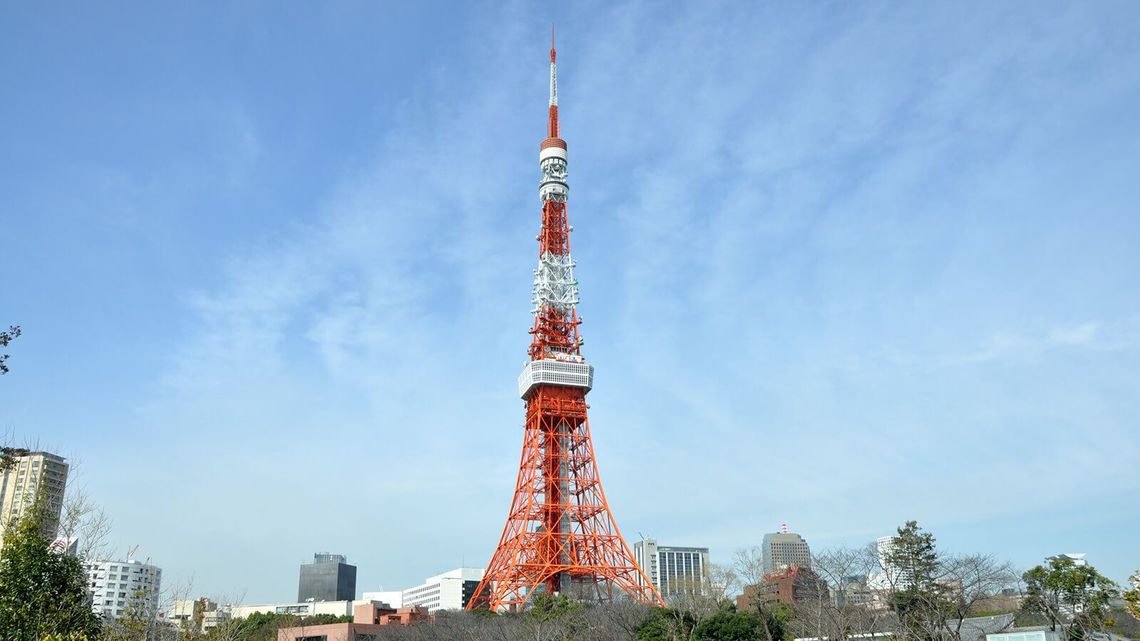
x,y
842,265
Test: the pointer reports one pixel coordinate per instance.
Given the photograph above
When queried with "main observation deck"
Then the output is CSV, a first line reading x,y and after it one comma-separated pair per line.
x,y
549,371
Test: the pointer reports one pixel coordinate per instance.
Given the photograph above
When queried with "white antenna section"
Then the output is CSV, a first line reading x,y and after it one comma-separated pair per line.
x,y
553,84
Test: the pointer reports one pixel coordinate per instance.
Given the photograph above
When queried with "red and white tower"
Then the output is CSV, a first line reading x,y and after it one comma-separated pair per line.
x,y
560,535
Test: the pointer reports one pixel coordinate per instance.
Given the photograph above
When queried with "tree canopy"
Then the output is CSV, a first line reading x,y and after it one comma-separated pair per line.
x,y
42,592
1067,594
5,338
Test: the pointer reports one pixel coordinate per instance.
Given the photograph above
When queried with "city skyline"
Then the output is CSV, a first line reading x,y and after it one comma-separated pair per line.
x,y
892,242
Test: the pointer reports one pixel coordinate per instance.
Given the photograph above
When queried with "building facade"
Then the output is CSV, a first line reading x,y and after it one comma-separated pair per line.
x,y
327,578
391,598
889,576
783,550
197,615
673,569
368,621
30,476
121,587
300,609
789,586
448,591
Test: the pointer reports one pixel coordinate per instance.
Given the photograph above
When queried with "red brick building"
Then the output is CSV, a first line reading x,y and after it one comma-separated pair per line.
x,y
786,586
367,621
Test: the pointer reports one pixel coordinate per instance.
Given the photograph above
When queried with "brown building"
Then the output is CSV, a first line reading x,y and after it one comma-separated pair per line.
x,y
787,586
368,620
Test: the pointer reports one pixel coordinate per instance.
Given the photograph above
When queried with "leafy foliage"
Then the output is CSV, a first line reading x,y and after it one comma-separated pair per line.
x,y
1132,597
918,598
42,592
8,456
730,626
263,626
665,624
5,338
554,618
1076,597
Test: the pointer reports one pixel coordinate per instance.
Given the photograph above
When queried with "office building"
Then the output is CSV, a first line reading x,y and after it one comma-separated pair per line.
x,y
119,587
782,550
391,598
327,578
673,569
29,476
448,591
889,576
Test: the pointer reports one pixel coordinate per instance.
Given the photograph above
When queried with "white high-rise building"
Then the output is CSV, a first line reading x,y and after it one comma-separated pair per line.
x,y
889,576
448,591
29,476
391,598
119,587
672,569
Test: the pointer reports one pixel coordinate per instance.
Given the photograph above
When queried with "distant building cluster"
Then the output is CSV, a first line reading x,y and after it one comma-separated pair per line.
x,y
327,585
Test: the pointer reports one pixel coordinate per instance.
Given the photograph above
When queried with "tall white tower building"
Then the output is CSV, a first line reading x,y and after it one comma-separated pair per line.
x,y
30,476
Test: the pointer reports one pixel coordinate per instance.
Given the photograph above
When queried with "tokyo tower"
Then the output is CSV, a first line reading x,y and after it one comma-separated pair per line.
x,y
560,536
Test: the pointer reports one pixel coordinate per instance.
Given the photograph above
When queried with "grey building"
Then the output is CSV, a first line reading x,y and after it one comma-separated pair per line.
x,y
782,550
673,569
327,578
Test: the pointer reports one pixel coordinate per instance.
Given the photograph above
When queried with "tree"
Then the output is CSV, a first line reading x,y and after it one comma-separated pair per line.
x,y
1132,597
667,624
968,580
5,338
842,604
82,520
8,456
1075,597
41,592
621,618
912,569
553,618
137,622
748,564
730,625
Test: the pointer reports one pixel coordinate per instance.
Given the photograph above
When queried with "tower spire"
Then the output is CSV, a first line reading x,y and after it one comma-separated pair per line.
x,y
552,130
